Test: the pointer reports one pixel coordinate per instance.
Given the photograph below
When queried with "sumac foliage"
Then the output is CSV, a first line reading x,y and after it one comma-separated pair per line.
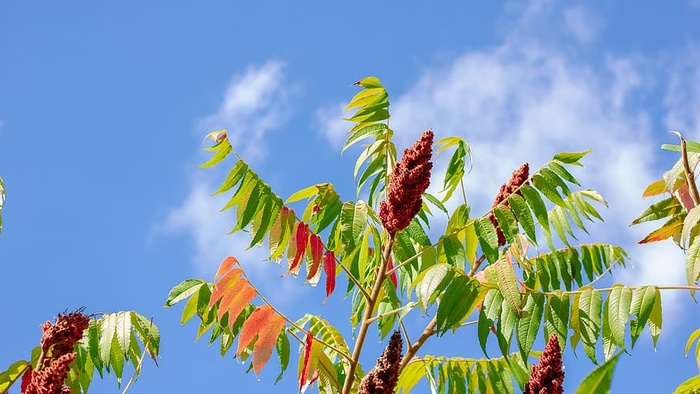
x,y
516,271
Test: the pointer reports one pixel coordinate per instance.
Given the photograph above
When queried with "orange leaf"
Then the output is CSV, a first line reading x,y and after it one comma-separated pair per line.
x,y
234,306
256,321
225,266
329,268
267,339
222,287
669,229
655,188
316,257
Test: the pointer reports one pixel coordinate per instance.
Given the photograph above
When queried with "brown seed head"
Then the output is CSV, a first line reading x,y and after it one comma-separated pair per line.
x,y
383,377
548,376
516,180
410,179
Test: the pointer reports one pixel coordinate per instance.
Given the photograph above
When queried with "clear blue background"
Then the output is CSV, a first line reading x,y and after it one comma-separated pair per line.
x,y
103,108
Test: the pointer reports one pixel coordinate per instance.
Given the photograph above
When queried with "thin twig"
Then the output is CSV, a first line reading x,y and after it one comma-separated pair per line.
x,y
391,312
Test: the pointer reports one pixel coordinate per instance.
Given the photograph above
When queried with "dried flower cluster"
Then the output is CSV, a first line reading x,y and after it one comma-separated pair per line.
x,y
58,349
410,179
516,180
383,377
548,376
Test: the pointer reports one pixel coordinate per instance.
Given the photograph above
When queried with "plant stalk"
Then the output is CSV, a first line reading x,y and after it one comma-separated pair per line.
x,y
367,316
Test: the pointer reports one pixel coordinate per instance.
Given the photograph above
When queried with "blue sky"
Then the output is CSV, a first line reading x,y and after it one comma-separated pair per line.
x,y
103,108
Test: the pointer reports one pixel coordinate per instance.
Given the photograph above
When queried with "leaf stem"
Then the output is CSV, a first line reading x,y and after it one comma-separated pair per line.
x,y
367,316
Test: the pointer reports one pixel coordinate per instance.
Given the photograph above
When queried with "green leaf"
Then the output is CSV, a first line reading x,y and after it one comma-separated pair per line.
x,y
571,158
641,306
549,190
690,386
283,350
692,263
488,238
599,380
589,319
522,213
694,336
302,194
561,171
655,317
123,330
369,82
689,224
556,317
234,176
222,150
107,331
368,97
185,289
529,324
534,200
431,282
353,220
12,374
459,300
371,130
507,222
508,283
453,251
662,209
619,303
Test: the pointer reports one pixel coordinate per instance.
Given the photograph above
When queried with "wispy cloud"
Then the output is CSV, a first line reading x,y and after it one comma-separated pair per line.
x,y
254,104
528,98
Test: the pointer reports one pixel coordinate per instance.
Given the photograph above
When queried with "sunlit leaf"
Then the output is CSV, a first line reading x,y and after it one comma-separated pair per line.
x,y
459,300
600,379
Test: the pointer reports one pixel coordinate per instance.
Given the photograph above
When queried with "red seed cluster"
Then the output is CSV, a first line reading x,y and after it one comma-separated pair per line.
x,y
548,376
516,180
58,348
383,377
410,179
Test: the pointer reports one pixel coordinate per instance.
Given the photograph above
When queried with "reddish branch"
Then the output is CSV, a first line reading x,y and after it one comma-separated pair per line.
x,y
410,179
548,376
383,377
516,180
58,352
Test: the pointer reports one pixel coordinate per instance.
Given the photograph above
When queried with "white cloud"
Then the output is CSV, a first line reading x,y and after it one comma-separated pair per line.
x,y
330,124
525,100
253,105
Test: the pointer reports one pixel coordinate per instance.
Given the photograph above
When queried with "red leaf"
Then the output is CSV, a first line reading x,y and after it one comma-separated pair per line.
x,y
329,268
267,339
393,278
316,256
301,239
225,266
304,371
255,323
